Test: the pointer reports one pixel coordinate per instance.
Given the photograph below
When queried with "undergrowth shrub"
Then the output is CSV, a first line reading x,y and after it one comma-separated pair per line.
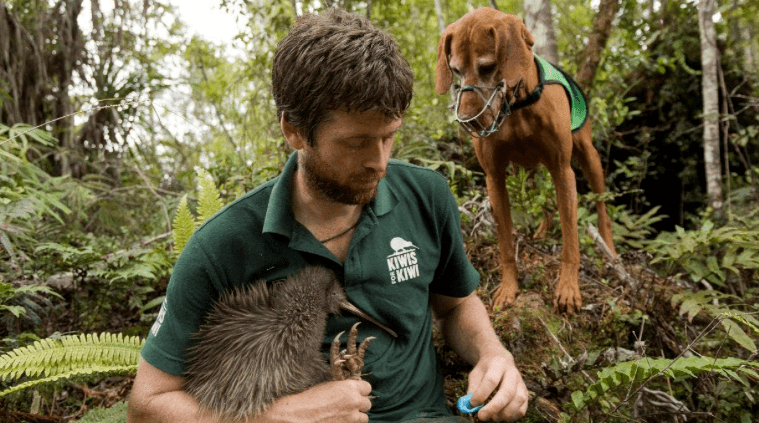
x,y
620,384
65,357
726,257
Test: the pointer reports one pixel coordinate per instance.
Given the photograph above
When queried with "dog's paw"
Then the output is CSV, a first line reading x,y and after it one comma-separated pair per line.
x,y
504,296
567,299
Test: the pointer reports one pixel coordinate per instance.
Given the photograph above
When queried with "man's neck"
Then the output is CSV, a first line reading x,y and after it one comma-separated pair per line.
x,y
318,213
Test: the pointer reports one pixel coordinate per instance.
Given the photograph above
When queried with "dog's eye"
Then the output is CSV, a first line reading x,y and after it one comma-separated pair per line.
x,y
487,69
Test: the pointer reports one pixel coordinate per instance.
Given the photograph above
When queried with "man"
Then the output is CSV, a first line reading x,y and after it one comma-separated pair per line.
x,y
389,230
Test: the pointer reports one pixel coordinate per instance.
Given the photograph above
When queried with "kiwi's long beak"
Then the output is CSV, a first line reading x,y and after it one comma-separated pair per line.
x,y
346,305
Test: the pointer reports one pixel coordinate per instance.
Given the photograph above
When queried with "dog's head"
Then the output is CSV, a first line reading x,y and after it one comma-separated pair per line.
x,y
489,53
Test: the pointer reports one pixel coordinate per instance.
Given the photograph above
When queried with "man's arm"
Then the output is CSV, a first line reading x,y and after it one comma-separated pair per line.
x,y
157,397
466,327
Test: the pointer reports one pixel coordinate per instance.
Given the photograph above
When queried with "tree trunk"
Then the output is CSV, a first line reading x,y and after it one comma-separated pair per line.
x,y
710,58
23,71
749,55
440,17
591,57
539,21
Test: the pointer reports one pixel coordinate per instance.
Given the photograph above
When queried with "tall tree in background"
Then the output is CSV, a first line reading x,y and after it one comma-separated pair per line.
x,y
539,20
51,70
40,49
710,58
440,17
591,57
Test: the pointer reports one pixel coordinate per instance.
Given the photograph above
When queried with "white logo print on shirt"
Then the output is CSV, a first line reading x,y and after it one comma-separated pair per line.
x,y
159,319
402,263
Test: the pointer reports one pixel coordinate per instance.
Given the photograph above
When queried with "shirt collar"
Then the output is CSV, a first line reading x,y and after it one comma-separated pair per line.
x,y
279,217
279,212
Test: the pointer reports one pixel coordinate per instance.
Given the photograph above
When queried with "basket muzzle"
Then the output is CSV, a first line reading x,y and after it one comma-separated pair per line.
x,y
473,124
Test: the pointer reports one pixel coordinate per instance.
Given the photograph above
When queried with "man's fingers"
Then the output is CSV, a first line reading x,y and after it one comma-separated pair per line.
x,y
364,389
497,403
510,404
488,382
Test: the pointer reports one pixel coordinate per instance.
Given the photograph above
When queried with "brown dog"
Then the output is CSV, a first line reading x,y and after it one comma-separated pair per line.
x,y
514,117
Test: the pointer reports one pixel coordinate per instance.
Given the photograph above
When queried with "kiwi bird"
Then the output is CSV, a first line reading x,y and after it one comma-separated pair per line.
x,y
263,341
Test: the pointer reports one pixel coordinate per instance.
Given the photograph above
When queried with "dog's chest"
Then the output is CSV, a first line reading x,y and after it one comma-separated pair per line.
x,y
506,144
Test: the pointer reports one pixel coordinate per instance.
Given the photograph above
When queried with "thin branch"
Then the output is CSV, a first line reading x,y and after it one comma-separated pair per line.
x,y
150,187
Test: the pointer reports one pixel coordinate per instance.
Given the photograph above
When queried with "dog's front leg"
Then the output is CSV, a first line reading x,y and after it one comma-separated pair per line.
x,y
495,172
499,199
566,298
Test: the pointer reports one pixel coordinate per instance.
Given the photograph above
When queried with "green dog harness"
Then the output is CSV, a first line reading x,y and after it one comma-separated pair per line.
x,y
549,74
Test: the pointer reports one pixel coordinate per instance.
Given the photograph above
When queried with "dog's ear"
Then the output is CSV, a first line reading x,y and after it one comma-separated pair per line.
x,y
444,75
513,43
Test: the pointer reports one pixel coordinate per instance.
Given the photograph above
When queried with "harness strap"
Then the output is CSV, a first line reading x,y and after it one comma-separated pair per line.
x,y
535,94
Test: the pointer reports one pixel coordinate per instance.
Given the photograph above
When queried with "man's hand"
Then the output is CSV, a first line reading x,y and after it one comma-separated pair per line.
x,y
345,401
499,376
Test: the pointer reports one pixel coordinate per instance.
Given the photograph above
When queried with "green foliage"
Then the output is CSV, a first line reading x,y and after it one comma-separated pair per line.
x,y
630,229
28,195
62,357
10,295
209,202
714,303
533,199
208,198
710,253
114,414
184,226
120,266
623,376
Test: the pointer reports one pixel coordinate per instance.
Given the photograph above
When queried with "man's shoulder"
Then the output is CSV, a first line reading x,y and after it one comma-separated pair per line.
x,y
419,185
401,170
249,209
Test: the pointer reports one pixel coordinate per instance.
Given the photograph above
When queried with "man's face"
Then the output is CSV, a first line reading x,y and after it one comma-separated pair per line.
x,y
349,156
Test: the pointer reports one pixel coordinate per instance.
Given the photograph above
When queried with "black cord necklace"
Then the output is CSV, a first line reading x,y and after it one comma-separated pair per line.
x,y
334,237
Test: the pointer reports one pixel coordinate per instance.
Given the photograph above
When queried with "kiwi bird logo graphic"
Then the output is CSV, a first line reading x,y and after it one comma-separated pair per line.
x,y
401,246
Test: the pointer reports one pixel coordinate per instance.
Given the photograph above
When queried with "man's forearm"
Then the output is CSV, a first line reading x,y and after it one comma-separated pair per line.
x,y
168,407
466,327
158,397
468,331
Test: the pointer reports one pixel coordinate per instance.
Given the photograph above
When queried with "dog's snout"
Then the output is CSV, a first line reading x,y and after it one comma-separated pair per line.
x,y
470,105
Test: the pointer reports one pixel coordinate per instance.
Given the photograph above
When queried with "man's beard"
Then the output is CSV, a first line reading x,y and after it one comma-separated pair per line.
x,y
358,189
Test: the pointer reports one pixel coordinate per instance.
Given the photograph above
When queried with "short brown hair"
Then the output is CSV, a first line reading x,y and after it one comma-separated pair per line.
x,y
338,60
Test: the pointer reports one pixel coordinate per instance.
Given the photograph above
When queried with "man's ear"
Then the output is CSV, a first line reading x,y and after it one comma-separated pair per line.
x,y
292,134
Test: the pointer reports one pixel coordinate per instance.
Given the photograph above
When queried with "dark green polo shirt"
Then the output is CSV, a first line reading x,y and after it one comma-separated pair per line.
x,y
407,245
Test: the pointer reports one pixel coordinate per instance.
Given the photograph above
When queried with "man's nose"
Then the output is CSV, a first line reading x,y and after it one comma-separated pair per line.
x,y
378,155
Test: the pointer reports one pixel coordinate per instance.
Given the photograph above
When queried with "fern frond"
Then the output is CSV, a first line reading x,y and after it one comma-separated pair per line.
x,y
184,225
52,359
79,372
209,199
644,369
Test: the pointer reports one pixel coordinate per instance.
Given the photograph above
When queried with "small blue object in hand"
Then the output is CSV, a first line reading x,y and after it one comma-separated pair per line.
x,y
465,407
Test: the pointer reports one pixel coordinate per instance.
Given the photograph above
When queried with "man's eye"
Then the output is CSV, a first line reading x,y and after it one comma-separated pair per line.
x,y
355,144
